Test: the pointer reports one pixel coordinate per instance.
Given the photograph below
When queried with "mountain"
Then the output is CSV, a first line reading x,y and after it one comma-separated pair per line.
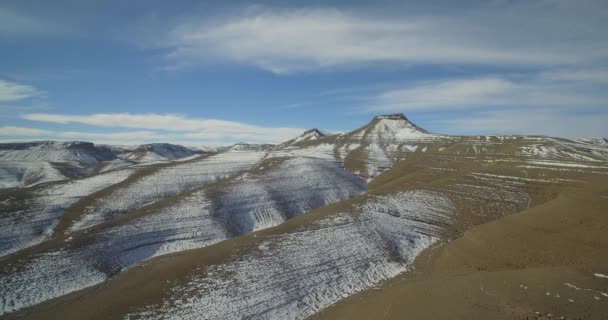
x,y
31,163
388,128
595,140
242,146
83,153
387,139
286,231
157,152
309,135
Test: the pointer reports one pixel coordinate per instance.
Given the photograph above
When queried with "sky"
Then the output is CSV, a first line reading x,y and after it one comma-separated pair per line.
x,y
205,73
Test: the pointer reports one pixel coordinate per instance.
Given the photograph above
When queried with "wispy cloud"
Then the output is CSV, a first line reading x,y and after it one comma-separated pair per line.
x,y
22,131
12,91
15,24
116,138
521,121
488,91
190,128
595,75
294,40
95,136
562,102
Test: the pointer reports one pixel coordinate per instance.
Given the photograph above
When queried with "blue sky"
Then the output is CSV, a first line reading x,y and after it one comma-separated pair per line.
x,y
196,73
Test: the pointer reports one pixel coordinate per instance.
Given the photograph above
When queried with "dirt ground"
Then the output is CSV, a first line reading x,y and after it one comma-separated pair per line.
x,y
537,264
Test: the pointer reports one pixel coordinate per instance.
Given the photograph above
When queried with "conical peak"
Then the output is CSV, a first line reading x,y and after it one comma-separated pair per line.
x,y
395,116
313,131
392,126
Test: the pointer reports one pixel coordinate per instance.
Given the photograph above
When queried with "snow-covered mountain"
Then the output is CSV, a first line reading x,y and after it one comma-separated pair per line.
x,y
366,151
309,135
157,152
273,231
84,153
31,163
595,140
388,129
387,139
242,146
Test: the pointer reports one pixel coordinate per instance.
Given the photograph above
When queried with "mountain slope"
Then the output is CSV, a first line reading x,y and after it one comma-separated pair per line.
x,y
309,135
28,164
543,263
32,163
84,153
276,232
157,152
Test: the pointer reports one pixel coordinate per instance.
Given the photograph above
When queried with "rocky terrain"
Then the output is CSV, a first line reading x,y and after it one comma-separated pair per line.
x,y
380,222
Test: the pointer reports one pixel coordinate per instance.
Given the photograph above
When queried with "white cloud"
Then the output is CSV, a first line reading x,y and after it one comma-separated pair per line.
x,y
13,24
127,137
542,121
596,75
20,134
22,131
12,91
293,40
491,91
95,136
190,128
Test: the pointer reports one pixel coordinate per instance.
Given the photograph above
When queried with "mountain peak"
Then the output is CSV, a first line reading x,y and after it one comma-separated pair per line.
x,y
313,133
395,116
308,135
392,126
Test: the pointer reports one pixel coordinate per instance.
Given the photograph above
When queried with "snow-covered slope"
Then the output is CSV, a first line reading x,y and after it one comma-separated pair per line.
x,y
165,182
26,220
20,173
595,140
84,153
375,147
31,163
295,275
309,135
251,202
157,152
389,129
282,191
241,146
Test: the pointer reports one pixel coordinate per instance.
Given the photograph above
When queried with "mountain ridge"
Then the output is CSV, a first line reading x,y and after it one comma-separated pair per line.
x,y
264,224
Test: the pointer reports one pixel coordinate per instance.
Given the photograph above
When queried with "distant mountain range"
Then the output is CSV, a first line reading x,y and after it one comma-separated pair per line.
x,y
375,146
30,163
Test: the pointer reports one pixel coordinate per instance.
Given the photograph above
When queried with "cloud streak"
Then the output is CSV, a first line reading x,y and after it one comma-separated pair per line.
x,y
12,91
22,131
542,122
296,40
489,91
15,24
188,128
596,75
